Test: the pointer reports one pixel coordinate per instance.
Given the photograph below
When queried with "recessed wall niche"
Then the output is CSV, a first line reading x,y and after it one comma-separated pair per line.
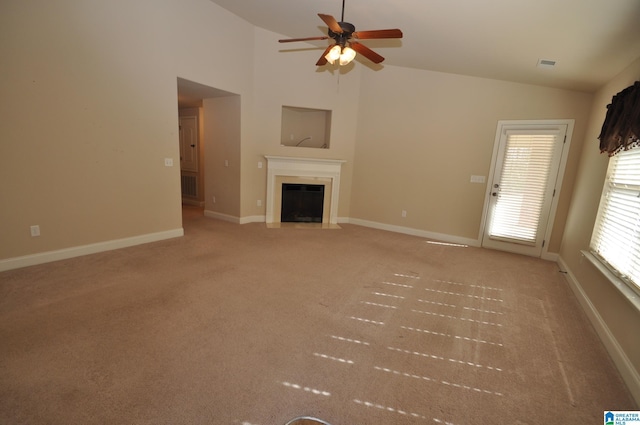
x,y
305,127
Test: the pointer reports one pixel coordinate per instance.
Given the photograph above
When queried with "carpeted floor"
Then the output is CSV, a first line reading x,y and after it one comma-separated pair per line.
x,y
240,324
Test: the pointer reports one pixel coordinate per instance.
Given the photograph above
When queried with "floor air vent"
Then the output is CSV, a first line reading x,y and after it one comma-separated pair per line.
x,y
189,186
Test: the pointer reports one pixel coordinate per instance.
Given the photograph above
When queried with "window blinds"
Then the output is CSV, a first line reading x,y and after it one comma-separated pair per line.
x,y
616,236
523,186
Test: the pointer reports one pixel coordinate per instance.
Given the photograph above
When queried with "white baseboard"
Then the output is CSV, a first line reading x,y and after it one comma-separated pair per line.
x,y
414,232
77,251
192,202
221,216
629,373
253,219
234,219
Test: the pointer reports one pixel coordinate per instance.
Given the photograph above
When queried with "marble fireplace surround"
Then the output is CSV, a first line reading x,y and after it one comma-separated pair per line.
x,y
286,169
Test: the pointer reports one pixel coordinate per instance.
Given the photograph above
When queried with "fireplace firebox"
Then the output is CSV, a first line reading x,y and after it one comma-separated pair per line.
x,y
302,203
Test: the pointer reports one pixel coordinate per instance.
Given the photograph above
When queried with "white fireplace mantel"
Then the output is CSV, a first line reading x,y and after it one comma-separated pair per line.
x,y
286,166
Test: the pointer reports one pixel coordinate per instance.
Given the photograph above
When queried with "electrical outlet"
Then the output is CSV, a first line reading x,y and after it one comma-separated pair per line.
x,y
404,213
259,164
214,199
226,162
168,162
259,203
35,230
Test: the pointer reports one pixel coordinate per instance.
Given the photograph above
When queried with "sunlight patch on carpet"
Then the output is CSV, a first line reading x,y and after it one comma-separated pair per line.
x,y
463,338
397,284
306,389
450,282
360,319
434,357
335,359
426,378
379,305
477,297
482,311
382,294
399,411
464,319
457,245
355,341
406,275
436,303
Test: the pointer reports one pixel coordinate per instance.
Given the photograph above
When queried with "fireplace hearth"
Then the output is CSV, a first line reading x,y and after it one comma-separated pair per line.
x,y
302,203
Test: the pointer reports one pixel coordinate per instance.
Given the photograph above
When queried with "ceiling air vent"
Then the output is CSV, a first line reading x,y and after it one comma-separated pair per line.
x,y
546,63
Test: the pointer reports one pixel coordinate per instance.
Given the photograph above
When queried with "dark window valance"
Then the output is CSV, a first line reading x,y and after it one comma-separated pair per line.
x,y
621,127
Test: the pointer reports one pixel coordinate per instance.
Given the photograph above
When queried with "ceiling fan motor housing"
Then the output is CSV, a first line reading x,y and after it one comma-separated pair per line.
x,y
347,30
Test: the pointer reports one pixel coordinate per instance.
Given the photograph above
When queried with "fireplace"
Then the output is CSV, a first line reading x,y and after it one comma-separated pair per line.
x,y
302,203
308,172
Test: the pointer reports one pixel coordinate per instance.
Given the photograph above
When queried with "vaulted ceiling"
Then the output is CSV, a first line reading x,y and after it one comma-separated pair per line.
x,y
590,41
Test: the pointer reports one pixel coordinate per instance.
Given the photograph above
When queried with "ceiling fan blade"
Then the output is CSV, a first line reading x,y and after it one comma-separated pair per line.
x,y
390,33
366,52
331,23
323,60
289,40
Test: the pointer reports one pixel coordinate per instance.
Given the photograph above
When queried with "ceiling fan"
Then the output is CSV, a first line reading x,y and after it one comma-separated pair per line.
x,y
346,45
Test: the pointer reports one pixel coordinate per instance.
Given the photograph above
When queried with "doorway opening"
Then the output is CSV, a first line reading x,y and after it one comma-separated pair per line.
x,y
195,131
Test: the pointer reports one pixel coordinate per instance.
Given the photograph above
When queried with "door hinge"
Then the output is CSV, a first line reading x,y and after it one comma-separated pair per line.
x,y
543,243
554,193
565,139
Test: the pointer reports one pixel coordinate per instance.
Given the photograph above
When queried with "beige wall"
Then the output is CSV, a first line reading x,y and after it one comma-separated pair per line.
x,y
615,318
222,154
422,134
89,113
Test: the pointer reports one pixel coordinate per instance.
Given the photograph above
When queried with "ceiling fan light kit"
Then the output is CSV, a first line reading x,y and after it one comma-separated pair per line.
x,y
343,54
345,46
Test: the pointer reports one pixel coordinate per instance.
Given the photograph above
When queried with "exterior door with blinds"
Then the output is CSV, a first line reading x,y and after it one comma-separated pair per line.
x,y
525,180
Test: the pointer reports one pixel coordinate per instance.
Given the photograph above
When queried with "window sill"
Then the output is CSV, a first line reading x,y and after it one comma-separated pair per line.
x,y
627,292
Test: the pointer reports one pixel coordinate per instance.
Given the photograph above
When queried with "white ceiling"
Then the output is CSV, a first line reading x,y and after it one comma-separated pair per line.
x,y
590,40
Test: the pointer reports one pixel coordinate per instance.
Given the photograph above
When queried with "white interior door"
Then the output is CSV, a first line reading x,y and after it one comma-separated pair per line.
x,y
526,177
189,143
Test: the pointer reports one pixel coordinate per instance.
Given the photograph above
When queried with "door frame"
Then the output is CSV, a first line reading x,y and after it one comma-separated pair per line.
x,y
502,124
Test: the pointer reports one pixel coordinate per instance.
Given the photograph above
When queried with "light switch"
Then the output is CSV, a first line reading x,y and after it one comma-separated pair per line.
x,y
477,179
168,162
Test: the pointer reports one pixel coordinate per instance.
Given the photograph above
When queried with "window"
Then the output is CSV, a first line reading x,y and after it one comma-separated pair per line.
x,y
616,235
